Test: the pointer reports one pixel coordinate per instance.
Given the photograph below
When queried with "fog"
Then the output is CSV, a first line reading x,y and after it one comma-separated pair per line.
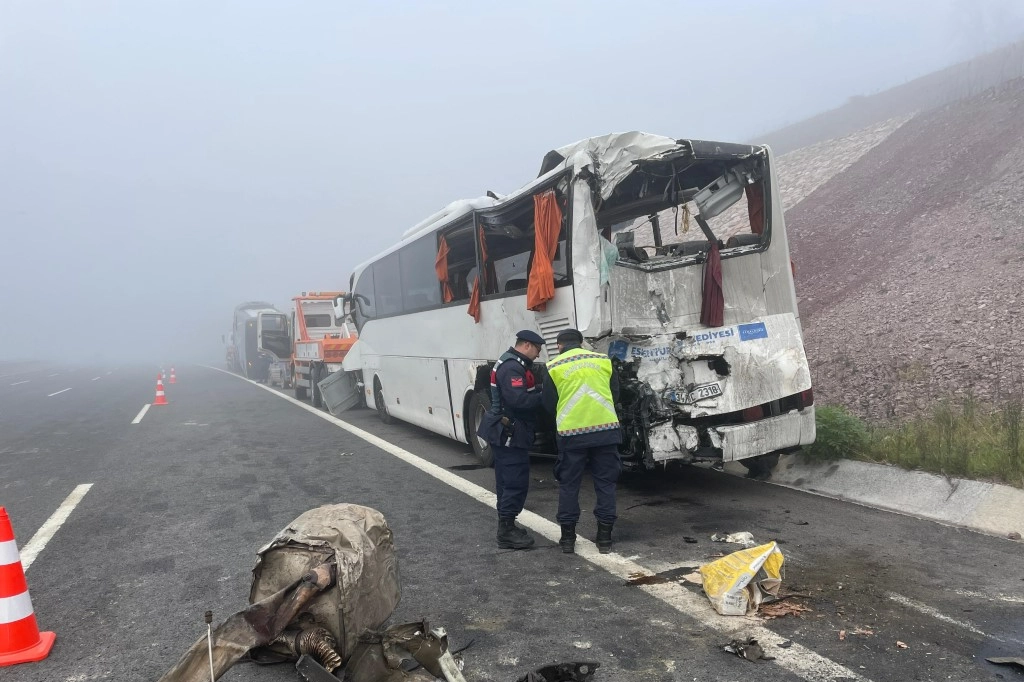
x,y
162,162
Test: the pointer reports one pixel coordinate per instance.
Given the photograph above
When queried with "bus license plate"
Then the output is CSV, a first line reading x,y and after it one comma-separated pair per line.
x,y
703,392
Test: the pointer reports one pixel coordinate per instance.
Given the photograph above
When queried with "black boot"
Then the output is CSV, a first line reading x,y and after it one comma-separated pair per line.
x,y
568,540
604,537
511,536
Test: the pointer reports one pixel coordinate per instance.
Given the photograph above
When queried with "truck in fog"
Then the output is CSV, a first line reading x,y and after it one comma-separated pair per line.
x,y
260,340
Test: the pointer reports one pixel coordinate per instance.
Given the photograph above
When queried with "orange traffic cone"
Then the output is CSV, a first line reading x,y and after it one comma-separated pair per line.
x,y
20,639
161,399
173,380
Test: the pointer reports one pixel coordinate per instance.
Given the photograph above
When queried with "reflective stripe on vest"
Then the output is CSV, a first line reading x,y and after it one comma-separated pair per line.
x,y
585,402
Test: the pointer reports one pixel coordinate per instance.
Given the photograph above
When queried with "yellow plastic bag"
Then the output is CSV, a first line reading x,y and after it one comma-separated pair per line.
x,y
737,584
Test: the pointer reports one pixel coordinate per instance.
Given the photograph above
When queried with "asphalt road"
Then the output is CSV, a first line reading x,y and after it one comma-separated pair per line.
x,y
180,503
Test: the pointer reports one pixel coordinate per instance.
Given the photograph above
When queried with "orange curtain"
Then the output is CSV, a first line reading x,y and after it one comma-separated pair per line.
x,y
441,268
755,207
548,222
474,300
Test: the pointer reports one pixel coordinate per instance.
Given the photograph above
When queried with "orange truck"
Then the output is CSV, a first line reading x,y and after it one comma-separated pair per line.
x,y
320,343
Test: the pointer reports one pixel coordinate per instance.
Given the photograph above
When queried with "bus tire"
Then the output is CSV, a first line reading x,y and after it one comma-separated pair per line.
x,y
479,404
300,391
317,399
761,466
378,401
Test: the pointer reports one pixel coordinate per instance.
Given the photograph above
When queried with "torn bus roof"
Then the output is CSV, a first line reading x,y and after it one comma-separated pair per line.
x,y
617,155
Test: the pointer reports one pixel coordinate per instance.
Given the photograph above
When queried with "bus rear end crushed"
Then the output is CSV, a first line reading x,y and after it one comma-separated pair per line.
x,y
713,394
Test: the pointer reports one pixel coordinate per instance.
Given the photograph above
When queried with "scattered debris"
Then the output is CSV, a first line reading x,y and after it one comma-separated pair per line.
x,y
582,645
690,541
748,649
579,671
863,632
1013,535
1007,660
738,583
785,645
746,539
901,645
842,635
779,609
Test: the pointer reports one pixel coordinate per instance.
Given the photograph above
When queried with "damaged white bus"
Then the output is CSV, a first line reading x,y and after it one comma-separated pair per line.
x,y
669,255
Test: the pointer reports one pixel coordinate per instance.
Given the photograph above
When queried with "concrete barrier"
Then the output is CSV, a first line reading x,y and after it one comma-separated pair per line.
x,y
985,507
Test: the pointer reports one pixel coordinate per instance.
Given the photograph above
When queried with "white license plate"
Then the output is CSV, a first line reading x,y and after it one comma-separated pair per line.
x,y
704,392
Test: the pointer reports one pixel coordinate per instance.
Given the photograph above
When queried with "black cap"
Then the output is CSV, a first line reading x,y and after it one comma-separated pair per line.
x,y
570,336
531,336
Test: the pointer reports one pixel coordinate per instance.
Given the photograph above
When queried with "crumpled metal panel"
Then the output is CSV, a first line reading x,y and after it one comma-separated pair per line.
x,y
367,589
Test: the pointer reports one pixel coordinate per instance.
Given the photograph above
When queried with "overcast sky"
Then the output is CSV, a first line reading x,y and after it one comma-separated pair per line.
x,y
162,161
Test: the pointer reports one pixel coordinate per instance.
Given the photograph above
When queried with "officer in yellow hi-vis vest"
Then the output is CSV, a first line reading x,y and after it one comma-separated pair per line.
x,y
582,393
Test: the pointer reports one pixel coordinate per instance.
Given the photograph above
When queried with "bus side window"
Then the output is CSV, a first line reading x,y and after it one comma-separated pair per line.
x,y
387,285
461,261
509,238
364,308
419,287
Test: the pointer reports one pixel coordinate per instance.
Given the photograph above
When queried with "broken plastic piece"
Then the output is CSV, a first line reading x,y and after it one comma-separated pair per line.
x,y
746,539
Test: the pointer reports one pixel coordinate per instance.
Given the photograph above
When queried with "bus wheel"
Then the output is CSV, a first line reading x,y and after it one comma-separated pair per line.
x,y
317,400
761,466
479,404
378,401
300,391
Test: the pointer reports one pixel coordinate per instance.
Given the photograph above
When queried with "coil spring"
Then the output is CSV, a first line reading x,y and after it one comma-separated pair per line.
x,y
319,643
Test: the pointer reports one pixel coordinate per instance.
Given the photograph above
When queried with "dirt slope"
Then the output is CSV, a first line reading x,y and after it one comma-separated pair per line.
x,y
910,262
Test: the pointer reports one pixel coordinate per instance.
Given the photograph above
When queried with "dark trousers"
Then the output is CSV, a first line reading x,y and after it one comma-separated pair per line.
x,y
603,461
511,479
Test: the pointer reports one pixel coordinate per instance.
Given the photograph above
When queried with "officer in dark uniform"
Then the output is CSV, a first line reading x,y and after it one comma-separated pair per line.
x,y
581,392
509,429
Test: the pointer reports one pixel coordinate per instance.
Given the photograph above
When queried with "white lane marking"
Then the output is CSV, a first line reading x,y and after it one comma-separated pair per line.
x,y
58,392
96,378
798,659
990,597
38,542
17,383
141,414
935,613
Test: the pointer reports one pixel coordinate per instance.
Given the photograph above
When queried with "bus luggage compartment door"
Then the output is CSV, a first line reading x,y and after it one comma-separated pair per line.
x,y
341,391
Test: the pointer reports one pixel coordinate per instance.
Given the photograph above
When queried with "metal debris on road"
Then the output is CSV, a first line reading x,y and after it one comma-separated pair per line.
x,y
901,645
748,649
